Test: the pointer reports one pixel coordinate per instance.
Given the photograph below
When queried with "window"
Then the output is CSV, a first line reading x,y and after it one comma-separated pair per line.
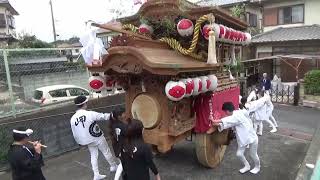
x,y
252,19
270,16
37,95
58,93
3,23
77,50
11,22
290,15
78,92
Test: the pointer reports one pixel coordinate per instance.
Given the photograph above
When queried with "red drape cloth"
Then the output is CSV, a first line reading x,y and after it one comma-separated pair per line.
x,y
205,105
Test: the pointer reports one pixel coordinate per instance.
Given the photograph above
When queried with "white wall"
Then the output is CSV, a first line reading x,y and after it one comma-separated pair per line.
x,y
263,49
311,12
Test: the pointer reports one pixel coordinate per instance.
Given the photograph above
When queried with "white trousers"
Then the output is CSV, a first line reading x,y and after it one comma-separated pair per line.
x,y
102,146
253,152
273,120
118,172
258,125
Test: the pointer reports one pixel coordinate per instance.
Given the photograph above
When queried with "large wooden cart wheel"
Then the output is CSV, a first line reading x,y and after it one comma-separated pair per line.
x,y
209,153
146,108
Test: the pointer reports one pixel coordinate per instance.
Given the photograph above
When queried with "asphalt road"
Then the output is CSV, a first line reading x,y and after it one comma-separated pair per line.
x,y
280,155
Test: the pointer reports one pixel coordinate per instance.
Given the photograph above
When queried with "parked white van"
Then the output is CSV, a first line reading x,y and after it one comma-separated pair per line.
x,y
58,93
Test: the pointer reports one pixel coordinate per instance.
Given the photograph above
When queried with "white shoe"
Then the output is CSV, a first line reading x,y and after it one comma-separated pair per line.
x,y
255,170
273,130
113,168
244,169
99,176
259,133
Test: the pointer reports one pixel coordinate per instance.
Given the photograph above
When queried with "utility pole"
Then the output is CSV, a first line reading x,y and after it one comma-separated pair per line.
x,y
53,25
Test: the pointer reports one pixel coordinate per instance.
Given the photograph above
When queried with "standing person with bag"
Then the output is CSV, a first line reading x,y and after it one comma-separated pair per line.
x,y
86,132
136,156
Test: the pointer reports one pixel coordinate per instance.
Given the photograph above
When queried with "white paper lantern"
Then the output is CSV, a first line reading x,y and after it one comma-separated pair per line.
x,y
145,29
247,38
96,83
109,84
213,82
216,29
175,91
204,82
205,31
197,86
117,85
189,86
185,27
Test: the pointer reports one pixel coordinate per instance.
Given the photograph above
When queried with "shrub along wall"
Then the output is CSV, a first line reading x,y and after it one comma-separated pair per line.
x,y
312,82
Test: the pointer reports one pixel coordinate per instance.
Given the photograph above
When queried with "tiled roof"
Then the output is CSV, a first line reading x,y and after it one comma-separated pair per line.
x,y
299,33
7,4
219,2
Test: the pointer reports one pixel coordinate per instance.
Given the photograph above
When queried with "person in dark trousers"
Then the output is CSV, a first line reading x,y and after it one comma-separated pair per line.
x,y
25,161
265,83
136,156
118,129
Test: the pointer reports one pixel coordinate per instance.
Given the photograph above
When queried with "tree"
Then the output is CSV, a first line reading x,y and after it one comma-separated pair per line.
x,y
31,41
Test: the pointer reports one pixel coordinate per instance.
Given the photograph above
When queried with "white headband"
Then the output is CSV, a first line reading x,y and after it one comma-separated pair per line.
x,y
27,132
82,102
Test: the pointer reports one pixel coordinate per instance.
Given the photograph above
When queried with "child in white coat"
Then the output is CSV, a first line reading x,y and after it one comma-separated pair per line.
x,y
245,134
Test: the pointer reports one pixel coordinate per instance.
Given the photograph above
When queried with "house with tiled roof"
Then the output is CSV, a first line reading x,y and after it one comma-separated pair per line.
x,y
7,22
290,27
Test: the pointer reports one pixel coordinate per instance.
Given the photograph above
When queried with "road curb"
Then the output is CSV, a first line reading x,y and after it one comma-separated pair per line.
x,y
311,157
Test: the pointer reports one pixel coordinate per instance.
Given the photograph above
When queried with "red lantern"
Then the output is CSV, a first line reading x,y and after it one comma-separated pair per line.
x,y
189,86
175,91
247,38
145,29
185,27
96,83
222,31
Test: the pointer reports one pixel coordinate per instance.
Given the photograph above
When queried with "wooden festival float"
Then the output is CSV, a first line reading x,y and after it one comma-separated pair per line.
x,y
160,59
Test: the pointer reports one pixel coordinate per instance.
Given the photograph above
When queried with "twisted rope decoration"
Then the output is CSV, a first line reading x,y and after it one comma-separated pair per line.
x,y
174,44
130,27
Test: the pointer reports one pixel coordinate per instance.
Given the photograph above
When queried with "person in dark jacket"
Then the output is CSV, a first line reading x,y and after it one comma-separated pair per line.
x,y
25,161
136,155
118,128
266,83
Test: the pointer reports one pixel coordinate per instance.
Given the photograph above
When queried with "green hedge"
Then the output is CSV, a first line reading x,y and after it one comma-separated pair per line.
x,y
312,82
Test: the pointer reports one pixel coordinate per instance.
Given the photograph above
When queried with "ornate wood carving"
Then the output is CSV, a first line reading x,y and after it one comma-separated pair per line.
x,y
122,65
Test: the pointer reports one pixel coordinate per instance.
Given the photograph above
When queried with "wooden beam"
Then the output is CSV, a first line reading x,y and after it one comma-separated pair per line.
x,y
112,28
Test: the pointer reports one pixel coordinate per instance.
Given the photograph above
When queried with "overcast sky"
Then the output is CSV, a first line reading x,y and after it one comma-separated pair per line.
x,y
70,15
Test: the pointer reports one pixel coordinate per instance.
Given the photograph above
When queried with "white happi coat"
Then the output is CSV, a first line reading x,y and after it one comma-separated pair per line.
x,y
84,127
243,127
259,108
269,105
252,96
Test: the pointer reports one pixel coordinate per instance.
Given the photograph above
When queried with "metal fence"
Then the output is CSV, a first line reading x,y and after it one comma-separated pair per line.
x,y
23,71
47,110
283,93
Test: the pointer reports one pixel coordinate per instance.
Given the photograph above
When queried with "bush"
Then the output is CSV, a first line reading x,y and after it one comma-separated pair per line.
x,y
312,82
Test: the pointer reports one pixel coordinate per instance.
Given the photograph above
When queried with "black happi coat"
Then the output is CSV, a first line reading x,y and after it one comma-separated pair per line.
x,y
136,165
25,163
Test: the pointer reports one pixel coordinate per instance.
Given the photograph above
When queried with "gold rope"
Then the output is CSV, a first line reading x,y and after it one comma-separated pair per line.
x,y
130,27
174,44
